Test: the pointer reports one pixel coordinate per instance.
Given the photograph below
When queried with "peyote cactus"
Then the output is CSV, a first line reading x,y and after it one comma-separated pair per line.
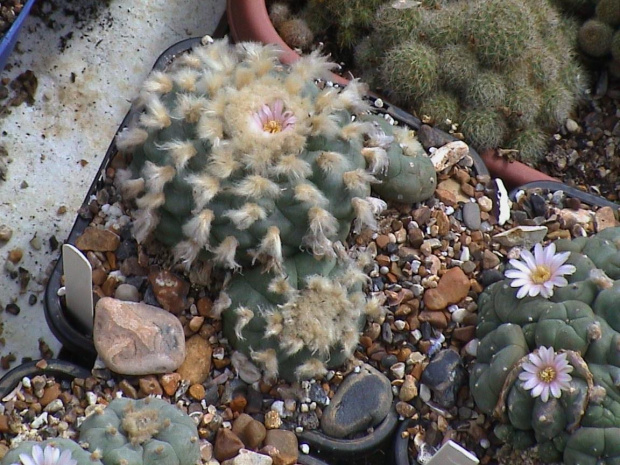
x,y
580,321
56,451
148,431
251,165
503,70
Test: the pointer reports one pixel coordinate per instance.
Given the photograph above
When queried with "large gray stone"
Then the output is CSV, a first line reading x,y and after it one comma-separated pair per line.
x,y
444,375
363,400
137,339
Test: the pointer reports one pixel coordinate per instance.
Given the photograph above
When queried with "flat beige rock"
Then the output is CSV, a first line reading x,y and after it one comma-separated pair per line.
x,y
133,338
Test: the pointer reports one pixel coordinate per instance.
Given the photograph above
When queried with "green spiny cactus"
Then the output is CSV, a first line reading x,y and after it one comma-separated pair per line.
x,y
493,56
608,11
298,322
251,165
148,431
354,17
580,320
56,451
595,38
238,159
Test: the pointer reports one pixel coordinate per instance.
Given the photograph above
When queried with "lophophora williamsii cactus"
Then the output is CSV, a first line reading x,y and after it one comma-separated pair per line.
x,y
247,163
56,451
141,432
503,70
548,362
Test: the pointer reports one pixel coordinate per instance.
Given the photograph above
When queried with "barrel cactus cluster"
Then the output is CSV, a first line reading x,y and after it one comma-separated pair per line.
x,y
599,35
141,432
503,73
251,165
548,361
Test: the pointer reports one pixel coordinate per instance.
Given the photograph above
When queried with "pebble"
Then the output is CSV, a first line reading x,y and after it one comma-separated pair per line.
x,y
136,338
444,388
285,445
471,215
170,290
197,364
251,432
127,292
97,240
452,287
408,390
6,232
349,411
227,445
248,457
571,125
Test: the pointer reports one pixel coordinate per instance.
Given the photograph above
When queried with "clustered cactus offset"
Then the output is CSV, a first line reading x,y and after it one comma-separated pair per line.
x,y
503,70
577,421
599,31
247,163
56,451
148,431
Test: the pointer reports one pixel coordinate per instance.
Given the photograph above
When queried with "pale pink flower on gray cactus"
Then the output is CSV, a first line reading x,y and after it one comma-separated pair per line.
x,y
50,456
272,118
540,272
546,373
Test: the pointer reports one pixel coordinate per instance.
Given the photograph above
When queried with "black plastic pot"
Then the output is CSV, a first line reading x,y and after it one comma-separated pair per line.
x,y
553,186
60,369
401,444
343,451
77,342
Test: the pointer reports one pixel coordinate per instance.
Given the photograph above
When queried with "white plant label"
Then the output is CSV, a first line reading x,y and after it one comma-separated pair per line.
x,y
453,454
78,285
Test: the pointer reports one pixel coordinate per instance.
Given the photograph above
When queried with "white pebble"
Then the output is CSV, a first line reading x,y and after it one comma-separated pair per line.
x,y
425,393
39,421
304,408
91,398
54,406
304,448
26,382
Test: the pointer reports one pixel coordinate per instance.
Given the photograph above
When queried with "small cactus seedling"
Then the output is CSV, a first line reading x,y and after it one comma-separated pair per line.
x,y
149,431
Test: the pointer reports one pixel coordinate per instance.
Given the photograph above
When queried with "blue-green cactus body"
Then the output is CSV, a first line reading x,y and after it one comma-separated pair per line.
x,y
81,456
213,180
141,432
254,167
298,322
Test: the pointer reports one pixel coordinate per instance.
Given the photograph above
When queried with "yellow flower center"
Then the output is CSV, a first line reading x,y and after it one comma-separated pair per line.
x,y
272,126
547,374
541,274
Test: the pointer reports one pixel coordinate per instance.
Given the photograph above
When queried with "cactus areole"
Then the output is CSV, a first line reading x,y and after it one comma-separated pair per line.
x,y
259,167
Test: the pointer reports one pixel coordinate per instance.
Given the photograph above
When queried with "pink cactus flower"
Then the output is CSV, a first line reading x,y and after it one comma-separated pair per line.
x,y
272,119
546,373
539,273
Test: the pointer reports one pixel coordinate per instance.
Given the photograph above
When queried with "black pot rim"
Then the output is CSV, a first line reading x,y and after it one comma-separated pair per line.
x,y
584,197
54,367
401,444
323,444
73,338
